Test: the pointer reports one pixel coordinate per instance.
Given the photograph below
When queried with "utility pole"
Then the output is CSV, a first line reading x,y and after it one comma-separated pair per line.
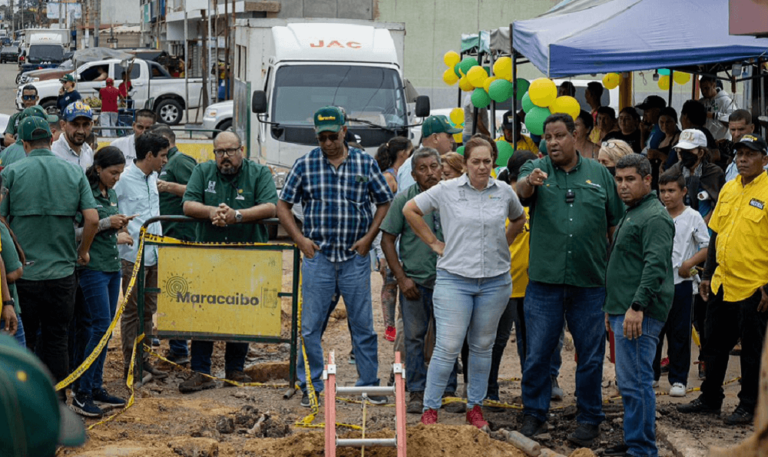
x,y
96,22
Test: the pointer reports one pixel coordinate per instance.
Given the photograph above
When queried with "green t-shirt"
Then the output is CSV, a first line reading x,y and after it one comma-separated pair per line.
x,y
12,154
251,186
13,123
11,260
45,194
640,269
104,254
177,170
419,261
569,241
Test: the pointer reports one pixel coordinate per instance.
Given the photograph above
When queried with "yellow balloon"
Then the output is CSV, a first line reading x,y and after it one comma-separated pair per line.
x,y
451,58
682,77
488,81
477,76
457,116
449,76
465,85
611,80
502,68
458,137
542,92
664,82
567,105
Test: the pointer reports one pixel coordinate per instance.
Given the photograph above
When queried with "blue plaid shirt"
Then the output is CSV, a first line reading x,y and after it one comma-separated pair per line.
x,y
336,202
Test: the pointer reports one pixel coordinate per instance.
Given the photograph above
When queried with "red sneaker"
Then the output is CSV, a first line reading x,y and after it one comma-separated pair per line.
x,y
475,417
429,417
390,334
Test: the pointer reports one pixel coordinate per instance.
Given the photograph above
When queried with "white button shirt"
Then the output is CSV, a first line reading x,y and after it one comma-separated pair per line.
x,y
127,144
62,149
137,194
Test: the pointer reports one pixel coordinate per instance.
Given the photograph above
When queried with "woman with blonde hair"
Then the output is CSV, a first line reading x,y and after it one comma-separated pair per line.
x,y
610,153
453,165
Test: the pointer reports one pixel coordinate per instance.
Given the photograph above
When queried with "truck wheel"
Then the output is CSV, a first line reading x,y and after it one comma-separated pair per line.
x,y
50,107
169,112
18,78
224,126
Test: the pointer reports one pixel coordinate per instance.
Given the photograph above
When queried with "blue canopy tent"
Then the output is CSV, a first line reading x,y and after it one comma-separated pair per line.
x,y
601,36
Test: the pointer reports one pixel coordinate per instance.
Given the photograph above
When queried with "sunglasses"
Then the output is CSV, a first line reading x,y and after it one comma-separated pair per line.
x,y
332,136
609,144
28,97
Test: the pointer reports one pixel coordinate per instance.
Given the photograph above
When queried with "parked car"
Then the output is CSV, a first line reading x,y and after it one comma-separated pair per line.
x,y
9,54
218,116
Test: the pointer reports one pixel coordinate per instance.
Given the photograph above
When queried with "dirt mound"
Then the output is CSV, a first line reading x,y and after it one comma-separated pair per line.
x,y
423,441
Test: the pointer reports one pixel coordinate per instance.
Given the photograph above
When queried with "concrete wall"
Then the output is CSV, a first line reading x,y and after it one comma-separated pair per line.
x,y
434,27
344,9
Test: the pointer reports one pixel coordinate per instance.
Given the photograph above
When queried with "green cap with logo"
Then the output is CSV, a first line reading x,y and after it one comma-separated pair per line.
x,y
438,124
32,420
38,111
329,119
34,128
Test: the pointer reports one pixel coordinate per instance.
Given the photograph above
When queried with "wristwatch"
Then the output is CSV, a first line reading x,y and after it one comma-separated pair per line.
x,y
637,307
9,302
238,217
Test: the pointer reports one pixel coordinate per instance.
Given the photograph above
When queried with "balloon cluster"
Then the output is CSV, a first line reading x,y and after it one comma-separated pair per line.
x,y
679,77
457,119
474,78
541,100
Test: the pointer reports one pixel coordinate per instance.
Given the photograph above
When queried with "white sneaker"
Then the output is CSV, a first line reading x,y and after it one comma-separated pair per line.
x,y
677,390
655,384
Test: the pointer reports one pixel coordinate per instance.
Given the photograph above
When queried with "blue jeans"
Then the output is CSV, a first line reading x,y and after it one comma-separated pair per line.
x,y
416,317
234,357
321,278
101,291
468,307
546,308
178,348
19,335
634,374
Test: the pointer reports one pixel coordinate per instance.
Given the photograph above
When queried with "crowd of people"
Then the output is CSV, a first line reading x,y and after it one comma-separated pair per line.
x,y
634,228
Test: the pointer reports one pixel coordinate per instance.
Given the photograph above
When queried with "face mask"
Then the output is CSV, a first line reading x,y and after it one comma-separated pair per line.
x,y
688,159
611,170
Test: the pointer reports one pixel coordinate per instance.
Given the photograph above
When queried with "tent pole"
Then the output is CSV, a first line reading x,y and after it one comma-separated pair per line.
x,y
459,88
475,111
493,102
761,85
514,85
671,86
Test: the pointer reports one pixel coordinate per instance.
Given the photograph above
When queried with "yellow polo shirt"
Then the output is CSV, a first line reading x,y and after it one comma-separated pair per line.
x,y
519,251
741,224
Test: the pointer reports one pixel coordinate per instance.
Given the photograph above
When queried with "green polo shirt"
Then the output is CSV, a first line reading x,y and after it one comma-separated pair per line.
x,y
177,170
13,123
419,261
250,187
11,260
12,154
569,241
640,269
104,254
45,194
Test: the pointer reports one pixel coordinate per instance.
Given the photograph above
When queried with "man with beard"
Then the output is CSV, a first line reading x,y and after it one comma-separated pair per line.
x,y
230,192
337,186
416,276
574,208
145,119
77,122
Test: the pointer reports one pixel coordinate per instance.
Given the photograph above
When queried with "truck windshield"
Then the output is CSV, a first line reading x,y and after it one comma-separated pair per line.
x,y
373,94
46,52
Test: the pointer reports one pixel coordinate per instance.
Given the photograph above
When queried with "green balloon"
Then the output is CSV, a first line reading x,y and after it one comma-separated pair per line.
x,y
456,69
534,119
480,99
460,150
522,87
664,71
527,103
505,152
500,90
467,63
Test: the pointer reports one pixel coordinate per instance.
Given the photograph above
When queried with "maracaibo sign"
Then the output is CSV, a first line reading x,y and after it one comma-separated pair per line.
x,y
219,291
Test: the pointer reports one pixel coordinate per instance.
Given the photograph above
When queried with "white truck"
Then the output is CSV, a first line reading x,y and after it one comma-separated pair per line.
x,y
150,81
287,69
45,48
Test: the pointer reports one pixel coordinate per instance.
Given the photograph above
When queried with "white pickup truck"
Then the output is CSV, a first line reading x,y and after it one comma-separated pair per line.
x,y
149,81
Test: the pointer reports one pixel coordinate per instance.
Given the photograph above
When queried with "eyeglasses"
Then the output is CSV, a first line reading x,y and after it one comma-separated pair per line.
x,y
332,136
609,144
228,152
28,97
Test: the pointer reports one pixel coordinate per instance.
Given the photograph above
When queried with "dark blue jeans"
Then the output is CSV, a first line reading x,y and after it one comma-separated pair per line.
x,y
547,307
234,357
101,291
19,335
678,332
416,317
634,375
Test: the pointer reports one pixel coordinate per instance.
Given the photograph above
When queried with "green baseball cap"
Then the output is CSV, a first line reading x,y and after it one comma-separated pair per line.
x,y
32,420
438,124
38,111
34,128
67,78
329,119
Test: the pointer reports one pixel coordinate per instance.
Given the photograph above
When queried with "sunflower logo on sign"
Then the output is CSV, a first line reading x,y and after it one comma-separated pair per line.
x,y
176,285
